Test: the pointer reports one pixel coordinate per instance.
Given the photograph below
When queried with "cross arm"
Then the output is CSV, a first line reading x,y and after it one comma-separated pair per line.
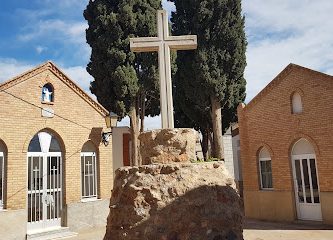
x,y
182,42
144,44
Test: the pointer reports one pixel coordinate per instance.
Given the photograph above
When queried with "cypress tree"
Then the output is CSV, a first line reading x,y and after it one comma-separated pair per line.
x,y
212,77
124,82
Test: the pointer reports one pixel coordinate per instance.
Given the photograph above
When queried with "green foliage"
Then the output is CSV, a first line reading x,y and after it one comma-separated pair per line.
x,y
122,79
216,68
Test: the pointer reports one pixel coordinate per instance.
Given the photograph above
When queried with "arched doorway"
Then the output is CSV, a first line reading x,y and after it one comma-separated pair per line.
x,y
44,182
306,183
2,173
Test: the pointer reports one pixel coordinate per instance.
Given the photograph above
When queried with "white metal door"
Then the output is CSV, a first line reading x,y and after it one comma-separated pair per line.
x,y
307,192
44,190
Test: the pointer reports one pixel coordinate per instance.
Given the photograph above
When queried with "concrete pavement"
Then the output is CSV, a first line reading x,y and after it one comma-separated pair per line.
x,y
261,230
254,230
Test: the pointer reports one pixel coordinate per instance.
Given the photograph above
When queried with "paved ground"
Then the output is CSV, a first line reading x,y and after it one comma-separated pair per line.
x,y
255,230
259,230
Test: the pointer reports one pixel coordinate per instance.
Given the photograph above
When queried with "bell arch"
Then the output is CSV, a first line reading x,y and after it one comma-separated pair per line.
x,y
47,93
296,102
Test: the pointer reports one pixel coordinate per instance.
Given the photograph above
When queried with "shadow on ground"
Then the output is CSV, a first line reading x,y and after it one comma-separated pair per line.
x,y
299,225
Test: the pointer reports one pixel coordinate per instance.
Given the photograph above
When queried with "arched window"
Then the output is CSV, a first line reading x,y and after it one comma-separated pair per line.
x,y
88,171
265,169
44,142
2,174
302,146
297,106
48,93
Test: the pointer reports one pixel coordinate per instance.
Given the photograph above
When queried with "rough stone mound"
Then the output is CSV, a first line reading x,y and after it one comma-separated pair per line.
x,y
168,145
175,202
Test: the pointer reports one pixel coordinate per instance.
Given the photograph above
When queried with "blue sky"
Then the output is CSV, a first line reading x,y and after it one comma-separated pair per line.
x,y
278,32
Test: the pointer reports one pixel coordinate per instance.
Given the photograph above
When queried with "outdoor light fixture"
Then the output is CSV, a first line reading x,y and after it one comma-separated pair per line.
x,y
106,135
106,138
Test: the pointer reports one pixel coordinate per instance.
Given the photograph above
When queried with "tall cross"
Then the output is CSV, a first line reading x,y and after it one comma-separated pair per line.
x,y
162,44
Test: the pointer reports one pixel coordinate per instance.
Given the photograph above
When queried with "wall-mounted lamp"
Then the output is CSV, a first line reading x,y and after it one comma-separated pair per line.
x,y
106,135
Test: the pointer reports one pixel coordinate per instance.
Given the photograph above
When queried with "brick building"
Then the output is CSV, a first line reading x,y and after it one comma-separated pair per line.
x,y
287,148
54,170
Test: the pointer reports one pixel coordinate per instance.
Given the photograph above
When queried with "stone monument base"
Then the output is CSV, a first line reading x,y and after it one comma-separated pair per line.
x,y
168,145
175,202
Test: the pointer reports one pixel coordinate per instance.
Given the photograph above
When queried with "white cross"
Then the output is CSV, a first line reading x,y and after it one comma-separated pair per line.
x,y
162,44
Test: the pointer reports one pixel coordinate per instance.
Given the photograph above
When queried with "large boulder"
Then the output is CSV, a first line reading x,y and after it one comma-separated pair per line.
x,y
175,202
168,145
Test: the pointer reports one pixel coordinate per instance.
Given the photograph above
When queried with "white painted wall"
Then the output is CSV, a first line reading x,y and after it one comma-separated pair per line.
x,y
236,158
228,153
232,155
117,146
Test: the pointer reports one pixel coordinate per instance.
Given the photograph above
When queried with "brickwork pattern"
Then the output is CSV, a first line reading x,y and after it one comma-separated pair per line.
x,y
268,121
77,119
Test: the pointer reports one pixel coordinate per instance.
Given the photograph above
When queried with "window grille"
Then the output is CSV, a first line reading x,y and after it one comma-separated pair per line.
x,y
88,175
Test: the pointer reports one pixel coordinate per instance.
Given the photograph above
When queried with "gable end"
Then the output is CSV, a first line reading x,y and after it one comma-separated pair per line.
x,y
56,71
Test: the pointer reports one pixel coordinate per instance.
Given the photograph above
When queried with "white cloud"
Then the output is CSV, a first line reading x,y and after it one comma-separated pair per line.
x,y
153,122
279,32
56,29
10,68
124,122
40,49
169,6
283,32
64,4
56,26
80,76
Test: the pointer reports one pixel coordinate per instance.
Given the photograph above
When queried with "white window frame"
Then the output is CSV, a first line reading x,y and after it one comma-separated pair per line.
x,y
2,162
92,195
260,173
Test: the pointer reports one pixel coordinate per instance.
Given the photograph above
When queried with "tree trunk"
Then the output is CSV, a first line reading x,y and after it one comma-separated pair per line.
x,y
211,151
217,128
143,112
204,144
134,137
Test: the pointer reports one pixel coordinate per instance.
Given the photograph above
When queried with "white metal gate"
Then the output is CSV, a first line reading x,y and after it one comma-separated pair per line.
x,y
307,192
44,190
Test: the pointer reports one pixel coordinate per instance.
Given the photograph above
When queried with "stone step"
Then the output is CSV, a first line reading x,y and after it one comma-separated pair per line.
x,y
52,234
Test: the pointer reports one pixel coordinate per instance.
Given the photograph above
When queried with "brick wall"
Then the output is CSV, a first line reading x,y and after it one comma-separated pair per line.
x,y
268,121
75,122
